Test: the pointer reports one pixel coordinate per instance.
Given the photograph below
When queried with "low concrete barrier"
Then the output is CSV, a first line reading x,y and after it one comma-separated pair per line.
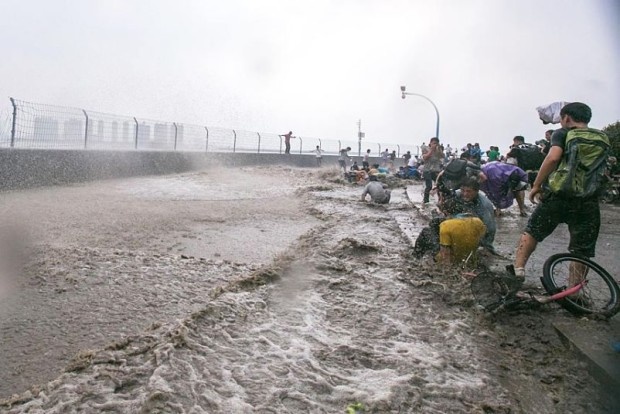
x,y
20,168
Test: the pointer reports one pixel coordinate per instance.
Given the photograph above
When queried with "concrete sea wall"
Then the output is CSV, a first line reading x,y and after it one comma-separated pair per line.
x,y
20,168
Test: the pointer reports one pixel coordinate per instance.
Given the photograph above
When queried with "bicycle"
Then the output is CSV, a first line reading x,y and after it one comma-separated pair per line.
x,y
577,283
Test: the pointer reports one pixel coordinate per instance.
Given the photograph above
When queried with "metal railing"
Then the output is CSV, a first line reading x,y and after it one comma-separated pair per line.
x,y
31,125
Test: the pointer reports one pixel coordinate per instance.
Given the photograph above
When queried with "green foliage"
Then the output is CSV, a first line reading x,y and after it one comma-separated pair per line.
x,y
613,132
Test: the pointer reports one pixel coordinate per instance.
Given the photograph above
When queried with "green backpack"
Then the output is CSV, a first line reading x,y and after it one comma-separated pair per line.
x,y
581,172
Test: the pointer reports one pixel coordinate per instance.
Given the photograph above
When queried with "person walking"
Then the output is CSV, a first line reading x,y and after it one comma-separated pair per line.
x,y
554,203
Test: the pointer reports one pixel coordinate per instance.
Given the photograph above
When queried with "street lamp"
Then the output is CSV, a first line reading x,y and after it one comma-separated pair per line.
x,y
404,88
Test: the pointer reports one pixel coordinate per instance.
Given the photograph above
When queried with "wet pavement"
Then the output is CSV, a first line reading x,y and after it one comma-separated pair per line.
x,y
593,341
337,313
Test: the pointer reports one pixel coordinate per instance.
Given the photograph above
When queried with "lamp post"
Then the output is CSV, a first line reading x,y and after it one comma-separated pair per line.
x,y
404,88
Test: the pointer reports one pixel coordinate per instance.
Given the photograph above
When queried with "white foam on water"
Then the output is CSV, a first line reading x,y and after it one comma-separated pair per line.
x,y
339,327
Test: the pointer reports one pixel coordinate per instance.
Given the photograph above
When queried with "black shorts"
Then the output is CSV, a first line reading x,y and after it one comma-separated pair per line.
x,y
583,218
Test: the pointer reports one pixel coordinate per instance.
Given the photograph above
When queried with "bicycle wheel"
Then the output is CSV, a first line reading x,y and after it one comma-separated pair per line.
x,y
489,290
601,295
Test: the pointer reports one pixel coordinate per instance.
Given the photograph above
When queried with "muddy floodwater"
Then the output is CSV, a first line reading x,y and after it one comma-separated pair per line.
x,y
267,290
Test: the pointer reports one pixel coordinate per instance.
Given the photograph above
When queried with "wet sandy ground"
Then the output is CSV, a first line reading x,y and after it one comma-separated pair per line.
x,y
345,315
106,257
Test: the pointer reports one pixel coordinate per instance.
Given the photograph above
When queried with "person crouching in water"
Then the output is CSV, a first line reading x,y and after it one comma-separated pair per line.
x,y
379,194
452,239
459,238
503,183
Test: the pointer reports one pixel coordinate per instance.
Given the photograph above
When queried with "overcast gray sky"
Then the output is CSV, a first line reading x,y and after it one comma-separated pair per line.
x,y
316,66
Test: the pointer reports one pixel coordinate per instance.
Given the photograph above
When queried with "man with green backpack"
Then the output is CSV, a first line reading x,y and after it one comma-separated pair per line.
x,y
568,185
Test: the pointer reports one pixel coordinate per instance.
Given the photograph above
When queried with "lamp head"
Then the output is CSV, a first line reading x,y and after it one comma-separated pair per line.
x,y
403,88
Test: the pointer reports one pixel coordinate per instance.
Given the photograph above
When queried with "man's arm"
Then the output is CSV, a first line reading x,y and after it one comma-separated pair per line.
x,y
364,193
548,166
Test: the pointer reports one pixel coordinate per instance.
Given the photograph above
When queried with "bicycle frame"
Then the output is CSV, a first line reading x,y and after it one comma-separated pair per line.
x,y
564,293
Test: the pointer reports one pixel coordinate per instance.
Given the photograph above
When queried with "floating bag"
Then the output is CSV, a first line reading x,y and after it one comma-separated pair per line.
x,y
581,172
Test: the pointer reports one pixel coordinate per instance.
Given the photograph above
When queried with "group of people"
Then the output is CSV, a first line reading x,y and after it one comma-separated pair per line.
x,y
564,187
565,171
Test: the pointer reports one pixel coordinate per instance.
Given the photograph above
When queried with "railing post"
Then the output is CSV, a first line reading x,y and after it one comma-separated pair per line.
x,y
339,146
379,149
136,140
280,145
301,143
207,144
85,130
320,144
13,123
234,141
398,153
176,133
258,133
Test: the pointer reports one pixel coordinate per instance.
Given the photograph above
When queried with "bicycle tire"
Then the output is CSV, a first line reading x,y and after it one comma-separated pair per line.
x,y
601,295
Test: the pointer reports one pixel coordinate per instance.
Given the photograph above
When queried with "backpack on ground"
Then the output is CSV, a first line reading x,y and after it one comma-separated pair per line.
x,y
581,172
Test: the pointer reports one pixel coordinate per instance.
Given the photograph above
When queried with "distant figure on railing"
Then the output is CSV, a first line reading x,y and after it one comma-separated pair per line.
x,y
319,156
287,141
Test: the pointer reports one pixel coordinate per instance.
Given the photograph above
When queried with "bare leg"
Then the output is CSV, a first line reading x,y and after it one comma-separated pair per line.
x,y
520,196
527,245
577,272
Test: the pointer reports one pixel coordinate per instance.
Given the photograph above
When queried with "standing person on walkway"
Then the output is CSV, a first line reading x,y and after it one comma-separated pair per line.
x,y
529,157
407,157
547,143
287,141
392,160
493,154
365,164
385,155
560,200
432,165
342,159
319,156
